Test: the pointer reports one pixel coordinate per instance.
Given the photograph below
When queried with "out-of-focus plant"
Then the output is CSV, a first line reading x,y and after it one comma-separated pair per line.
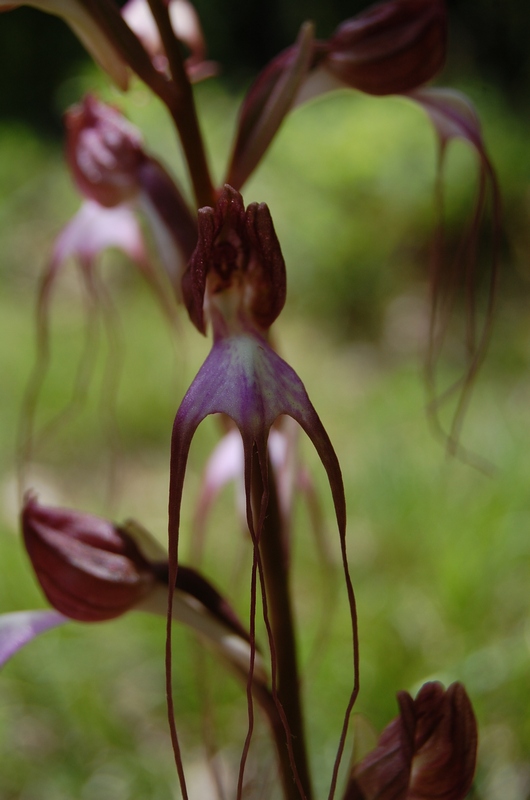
x,y
221,260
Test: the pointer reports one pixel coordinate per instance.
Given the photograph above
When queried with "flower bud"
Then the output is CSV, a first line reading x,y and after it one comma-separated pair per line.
x,y
104,152
89,569
429,751
392,47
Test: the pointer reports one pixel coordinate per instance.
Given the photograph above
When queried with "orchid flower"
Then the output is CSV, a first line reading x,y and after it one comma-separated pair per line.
x,y
109,165
394,47
120,181
236,277
390,48
226,464
91,231
91,570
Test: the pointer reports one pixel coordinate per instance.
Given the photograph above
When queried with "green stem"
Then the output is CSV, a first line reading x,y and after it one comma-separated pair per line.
x,y
276,574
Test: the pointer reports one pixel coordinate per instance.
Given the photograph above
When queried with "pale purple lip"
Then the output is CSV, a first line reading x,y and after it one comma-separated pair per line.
x,y
21,627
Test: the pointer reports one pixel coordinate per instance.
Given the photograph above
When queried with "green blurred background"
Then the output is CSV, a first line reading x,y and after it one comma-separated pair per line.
x,y
439,550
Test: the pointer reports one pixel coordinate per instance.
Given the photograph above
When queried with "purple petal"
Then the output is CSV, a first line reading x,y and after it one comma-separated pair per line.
x,y
20,627
246,380
95,228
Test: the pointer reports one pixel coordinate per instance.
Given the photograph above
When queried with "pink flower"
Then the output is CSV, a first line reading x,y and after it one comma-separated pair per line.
x,y
107,159
236,281
392,47
92,570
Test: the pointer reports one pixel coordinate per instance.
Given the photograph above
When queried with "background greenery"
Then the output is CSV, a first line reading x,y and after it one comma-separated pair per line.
x,y
440,551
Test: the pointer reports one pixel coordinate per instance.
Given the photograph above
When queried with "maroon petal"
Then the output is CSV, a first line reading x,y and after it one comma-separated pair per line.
x,y
390,48
89,569
427,753
446,744
246,380
103,151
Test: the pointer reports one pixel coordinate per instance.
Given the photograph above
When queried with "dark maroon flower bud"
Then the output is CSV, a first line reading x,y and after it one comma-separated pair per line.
x,y
89,569
237,270
428,752
104,152
391,47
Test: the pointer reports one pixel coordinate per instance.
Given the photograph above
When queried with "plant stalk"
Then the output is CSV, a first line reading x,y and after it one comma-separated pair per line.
x,y
275,566
181,105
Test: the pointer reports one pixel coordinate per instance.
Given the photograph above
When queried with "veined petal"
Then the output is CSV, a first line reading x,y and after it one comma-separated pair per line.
x,y
246,380
104,151
21,627
89,569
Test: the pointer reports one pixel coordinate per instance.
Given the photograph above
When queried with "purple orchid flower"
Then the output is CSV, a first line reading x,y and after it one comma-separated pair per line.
x,y
92,570
236,279
109,164
121,183
454,117
394,47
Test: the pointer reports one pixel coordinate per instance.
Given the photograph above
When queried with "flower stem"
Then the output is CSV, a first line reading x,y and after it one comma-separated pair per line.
x,y
182,108
292,752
